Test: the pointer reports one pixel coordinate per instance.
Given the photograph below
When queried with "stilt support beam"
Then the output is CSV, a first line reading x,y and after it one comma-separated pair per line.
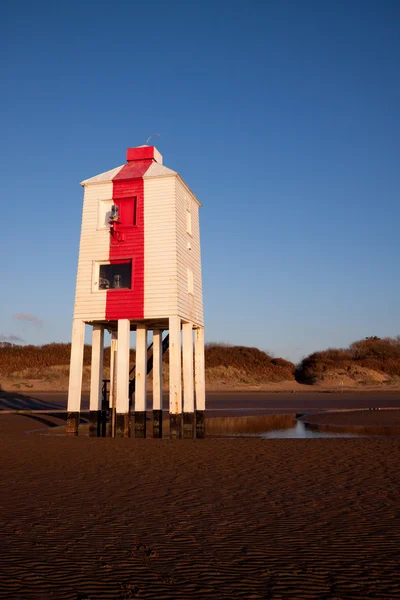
x,y
113,384
123,425
122,418
140,424
199,379
157,383
175,426
175,385
157,424
188,425
188,383
73,419
95,423
96,376
140,381
75,377
200,425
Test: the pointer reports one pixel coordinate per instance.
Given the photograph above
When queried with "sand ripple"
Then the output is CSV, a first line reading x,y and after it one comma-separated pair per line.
x,y
117,519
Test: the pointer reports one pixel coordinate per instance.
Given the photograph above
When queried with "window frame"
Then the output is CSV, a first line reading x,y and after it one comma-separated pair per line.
x,y
110,202
134,200
96,274
100,204
190,281
189,224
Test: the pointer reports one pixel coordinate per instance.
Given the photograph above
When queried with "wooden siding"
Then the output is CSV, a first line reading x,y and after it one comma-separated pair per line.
x,y
170,251
190,306
128,303
160,265
94,246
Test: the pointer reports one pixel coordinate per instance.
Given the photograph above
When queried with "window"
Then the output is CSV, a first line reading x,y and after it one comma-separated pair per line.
x,y
115,276
190,281
189,221
104,213
134,218
127,212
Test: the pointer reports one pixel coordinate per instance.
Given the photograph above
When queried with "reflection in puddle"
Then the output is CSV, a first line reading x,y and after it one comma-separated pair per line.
x,y
255,424
302,430
261,426
268,426
325,430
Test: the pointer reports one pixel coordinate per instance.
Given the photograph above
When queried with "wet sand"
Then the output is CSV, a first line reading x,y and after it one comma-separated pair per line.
x,y
216,518
360,422
369,418
88,518
289,402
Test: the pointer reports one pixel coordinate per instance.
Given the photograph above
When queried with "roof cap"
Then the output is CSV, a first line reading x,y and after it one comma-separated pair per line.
x,y
144,153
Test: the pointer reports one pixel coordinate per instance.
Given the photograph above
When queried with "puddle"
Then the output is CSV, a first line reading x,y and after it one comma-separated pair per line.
x,y
267,427
257,425
301,431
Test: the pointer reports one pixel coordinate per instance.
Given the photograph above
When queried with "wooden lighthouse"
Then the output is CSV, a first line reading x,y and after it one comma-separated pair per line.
x,y
139,269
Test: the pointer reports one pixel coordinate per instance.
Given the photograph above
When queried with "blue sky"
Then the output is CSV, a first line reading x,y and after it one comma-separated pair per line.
x,y
282,116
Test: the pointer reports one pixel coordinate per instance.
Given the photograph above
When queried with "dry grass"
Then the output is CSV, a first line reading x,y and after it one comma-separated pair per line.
x,y
233,364
369,361
366,361
245,365
38,359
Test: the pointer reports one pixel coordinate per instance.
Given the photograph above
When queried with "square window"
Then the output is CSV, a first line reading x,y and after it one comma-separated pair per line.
x,y
190,281
127,211
189,222
104,213
115,276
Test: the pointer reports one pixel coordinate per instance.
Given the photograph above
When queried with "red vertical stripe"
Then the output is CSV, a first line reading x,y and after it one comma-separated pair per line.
x,y
127,185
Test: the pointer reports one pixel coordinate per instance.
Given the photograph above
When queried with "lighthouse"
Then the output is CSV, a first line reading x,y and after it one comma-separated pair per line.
x,y
139,270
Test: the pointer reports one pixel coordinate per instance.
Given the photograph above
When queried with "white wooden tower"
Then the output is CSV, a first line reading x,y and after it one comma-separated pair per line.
x,y
139,269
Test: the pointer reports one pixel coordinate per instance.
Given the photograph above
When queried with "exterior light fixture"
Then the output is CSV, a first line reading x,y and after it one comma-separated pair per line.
x,y
114,213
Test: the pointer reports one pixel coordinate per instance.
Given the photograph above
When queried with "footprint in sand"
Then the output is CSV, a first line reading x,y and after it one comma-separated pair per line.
x,y
128,591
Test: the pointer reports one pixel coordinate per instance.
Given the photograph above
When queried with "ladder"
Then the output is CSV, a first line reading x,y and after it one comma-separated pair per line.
x,y
164,348
105,391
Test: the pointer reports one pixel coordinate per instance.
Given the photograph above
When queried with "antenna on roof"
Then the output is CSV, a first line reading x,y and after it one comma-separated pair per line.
x,y
152,135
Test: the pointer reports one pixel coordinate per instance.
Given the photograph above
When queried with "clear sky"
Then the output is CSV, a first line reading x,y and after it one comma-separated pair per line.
x,y
282,116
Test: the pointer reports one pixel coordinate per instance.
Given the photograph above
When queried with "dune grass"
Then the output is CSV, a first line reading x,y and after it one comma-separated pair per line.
x,y
234,364
368,361
366,358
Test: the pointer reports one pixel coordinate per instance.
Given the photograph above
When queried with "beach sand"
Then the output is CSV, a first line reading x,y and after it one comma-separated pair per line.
x,y
88,518
372,418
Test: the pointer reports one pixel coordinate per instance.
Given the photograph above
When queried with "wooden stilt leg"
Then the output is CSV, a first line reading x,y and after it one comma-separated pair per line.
x,y
200,382
140,381
175,386
122,409
188,383
95,402
75,377
157,383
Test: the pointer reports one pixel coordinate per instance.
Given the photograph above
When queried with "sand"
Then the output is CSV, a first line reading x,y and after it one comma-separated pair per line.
x,y
54,384
373,418
217,518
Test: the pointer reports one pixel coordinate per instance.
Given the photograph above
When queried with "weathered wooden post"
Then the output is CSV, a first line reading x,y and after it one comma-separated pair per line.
x,y
200,382
122,419
140,383
113,383
139,270
157,384
175,374
75,376
96,387
188,383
